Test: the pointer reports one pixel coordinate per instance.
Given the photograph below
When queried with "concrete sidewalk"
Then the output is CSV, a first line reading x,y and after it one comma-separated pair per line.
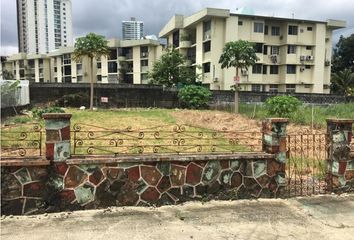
x,y
319,217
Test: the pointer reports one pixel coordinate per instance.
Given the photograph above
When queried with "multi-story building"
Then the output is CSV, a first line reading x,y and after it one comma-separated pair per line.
x,y
133,29
43,25
294,54
128,62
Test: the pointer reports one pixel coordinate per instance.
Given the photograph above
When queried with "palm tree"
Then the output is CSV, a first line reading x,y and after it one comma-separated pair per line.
x,y
343,82
92,46
239,54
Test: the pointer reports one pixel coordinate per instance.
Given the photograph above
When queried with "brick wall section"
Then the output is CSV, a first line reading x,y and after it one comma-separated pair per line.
x,y
95,183
341,164
274,142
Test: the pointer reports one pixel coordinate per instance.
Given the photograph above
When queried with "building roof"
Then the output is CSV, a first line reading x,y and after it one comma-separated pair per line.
x,y
180,21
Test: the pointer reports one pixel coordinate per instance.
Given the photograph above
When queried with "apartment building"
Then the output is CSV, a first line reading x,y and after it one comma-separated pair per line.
x,y
133,29
43,25
294,54
128,62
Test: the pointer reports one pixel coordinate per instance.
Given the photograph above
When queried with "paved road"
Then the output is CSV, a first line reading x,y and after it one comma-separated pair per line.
x,y
320,217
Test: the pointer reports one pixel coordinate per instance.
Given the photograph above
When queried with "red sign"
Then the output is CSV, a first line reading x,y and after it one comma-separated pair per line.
x,y
237,79
104,99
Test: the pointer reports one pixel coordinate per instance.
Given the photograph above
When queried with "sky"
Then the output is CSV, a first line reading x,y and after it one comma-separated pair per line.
x,y
104,16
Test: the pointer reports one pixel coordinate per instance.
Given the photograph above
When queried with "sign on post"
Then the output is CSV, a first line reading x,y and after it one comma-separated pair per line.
x,y
104,99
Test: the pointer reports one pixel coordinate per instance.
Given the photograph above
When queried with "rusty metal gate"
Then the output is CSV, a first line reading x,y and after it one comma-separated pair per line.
x,y
306,166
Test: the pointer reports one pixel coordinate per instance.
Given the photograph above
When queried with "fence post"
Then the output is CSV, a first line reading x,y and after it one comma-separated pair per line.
x,y
274,142
340,165
57,127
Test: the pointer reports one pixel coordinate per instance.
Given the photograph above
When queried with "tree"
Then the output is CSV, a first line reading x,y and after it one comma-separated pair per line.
x,y
171,69
92,46
343,54
342,82
240,55
7,75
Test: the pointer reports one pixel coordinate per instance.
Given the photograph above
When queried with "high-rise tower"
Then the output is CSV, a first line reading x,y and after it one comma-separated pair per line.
x,y
43,25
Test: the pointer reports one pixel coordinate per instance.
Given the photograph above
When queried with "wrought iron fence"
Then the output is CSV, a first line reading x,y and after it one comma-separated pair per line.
x,y
306,165
21,140
176,139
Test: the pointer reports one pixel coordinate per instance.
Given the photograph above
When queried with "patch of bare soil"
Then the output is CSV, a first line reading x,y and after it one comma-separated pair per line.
x,y
218,120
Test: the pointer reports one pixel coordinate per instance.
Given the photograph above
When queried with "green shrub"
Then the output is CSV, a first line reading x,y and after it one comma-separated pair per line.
x,y
38,112
194,97
282,106
73,100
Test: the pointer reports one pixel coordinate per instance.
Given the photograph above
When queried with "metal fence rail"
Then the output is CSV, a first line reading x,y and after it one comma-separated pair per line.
x,y
306,165
90,139
21,140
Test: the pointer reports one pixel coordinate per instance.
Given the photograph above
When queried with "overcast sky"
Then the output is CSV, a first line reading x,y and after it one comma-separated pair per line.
x,y
105,16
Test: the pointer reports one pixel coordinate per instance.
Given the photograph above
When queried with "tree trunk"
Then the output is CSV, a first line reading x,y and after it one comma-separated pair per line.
x,y
236,92
91,87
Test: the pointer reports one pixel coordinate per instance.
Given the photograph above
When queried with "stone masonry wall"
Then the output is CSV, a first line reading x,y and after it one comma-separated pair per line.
x,y
82,185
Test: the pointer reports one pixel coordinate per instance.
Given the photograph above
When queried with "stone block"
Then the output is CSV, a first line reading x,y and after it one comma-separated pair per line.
x,y
150,174
259,168
23,175
55,124
84,194
194,174
211,171
65,133
61,151
178,175
52,136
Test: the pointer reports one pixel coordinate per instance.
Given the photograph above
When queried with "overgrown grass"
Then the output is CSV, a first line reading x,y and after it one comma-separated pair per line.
x,y
303,115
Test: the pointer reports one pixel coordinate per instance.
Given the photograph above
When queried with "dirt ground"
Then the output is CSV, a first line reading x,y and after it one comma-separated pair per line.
x,y
319,217
218,120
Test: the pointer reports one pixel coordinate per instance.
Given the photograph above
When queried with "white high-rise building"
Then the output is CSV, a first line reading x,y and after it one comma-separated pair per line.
x,y
132,29
43,25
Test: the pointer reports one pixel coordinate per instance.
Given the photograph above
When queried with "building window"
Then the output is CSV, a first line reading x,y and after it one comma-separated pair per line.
x,y
291,69
79,69
274,50
308,48
257,69
265,50
273,88
112,54
207,46
55,69
264,69
99,65
67,70
256,87
99,78
258,27
309,28
206,67
240,23
144,63
112,67
275,31
79,78
258,47
290,88
266,30
292,30
274,69
308,66
291,49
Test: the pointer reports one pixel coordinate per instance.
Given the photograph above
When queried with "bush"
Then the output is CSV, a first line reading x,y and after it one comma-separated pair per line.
x,y
282,106
73,100
38,112
194,97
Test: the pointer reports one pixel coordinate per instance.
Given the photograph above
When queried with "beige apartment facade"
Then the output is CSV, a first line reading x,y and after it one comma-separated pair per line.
x,y
294,55
128,62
